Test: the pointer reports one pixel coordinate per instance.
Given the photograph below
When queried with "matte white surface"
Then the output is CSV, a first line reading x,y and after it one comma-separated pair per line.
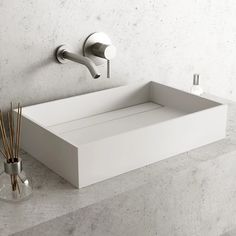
x,y
64,110
103,117
117,124
89,138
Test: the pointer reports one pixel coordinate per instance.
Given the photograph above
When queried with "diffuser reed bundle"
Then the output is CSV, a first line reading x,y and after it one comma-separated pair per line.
x,y
11,144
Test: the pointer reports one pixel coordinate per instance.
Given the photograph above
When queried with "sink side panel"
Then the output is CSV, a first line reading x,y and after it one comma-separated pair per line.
x,y
54,152
178,99
115,155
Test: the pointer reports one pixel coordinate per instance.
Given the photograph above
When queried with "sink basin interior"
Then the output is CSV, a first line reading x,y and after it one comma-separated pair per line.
x,y
114,122
88,118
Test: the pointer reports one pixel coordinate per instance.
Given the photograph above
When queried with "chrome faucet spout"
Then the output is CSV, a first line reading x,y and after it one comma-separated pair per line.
x,y
63,55
84,61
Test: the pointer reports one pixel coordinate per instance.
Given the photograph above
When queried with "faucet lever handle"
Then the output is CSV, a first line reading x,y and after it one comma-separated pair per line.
x,y
108,69
99,48
104,51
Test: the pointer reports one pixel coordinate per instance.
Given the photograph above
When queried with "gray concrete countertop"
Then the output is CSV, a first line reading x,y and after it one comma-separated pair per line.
x,y
190,194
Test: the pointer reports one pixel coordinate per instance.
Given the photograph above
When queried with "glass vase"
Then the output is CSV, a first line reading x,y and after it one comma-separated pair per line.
x,y
14,184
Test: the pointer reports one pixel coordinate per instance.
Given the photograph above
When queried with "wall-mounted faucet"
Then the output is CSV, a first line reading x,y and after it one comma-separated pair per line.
x,y
97,50
63,55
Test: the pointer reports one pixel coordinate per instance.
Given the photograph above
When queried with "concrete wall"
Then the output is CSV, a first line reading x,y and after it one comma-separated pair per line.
x,y
163,40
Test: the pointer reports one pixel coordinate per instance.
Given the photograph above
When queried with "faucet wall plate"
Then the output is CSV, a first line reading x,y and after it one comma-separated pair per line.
x,y
93,39
59,53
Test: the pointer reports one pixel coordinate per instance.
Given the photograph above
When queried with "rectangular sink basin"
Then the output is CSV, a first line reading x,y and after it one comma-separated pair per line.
x,y
93,137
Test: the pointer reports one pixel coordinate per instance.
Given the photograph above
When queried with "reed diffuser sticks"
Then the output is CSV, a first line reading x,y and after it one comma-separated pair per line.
x,y
11,143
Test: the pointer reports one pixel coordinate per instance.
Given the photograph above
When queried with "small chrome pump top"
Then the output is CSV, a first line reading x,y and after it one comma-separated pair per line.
x,y
196,89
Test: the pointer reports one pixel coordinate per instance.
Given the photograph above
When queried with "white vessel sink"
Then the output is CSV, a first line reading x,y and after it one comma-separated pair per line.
x,y
92,137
